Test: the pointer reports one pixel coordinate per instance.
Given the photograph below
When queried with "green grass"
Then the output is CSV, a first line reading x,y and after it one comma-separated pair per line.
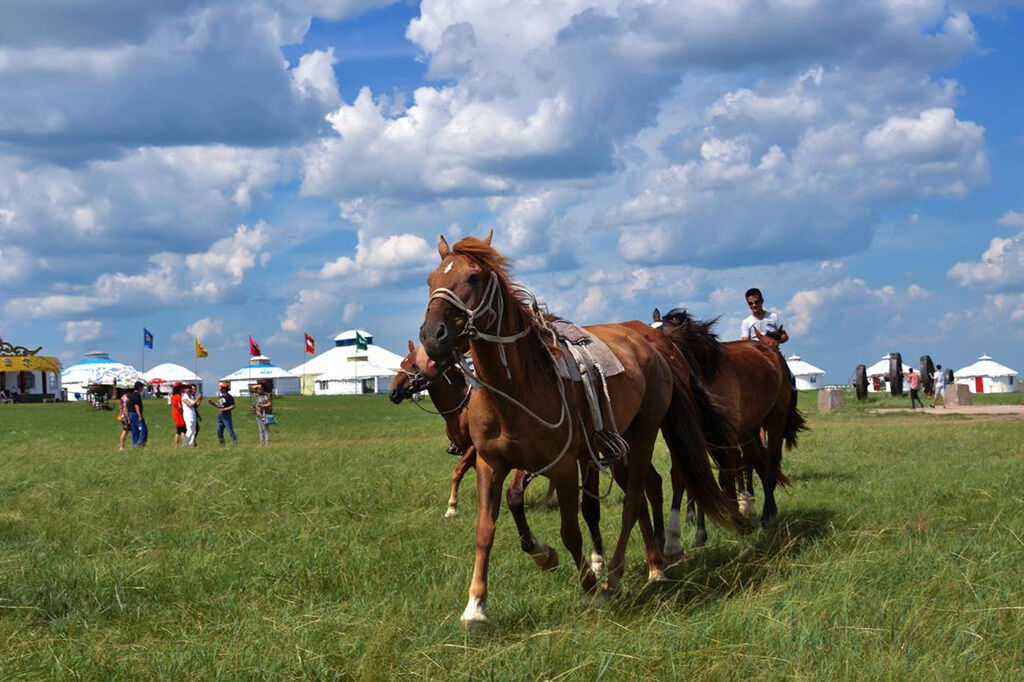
x,y
897,555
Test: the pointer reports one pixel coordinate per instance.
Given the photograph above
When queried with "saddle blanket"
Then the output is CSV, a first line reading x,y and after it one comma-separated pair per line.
x,y
585,346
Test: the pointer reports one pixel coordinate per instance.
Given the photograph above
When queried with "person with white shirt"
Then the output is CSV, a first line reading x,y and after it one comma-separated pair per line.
x,y
939,386
759,324
189,401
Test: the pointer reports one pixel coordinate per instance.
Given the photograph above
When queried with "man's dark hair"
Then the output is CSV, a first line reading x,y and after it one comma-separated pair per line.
x,y
139,384
753,292
938,366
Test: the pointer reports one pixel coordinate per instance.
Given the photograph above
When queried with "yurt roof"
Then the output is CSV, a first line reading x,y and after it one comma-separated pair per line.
x,y
985,367
801,368
169,371
263,370
362,370
97,367
882,367
335,361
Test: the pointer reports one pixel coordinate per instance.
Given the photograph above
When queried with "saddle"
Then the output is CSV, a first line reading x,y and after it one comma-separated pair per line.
x,y
587,359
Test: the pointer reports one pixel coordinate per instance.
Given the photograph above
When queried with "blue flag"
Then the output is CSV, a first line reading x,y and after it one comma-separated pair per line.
x,y
147,338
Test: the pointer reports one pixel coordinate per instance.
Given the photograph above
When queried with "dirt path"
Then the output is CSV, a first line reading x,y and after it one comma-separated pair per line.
x,y
970,410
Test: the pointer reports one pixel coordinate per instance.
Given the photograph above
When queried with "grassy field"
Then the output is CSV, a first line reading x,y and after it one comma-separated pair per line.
x,y
898,554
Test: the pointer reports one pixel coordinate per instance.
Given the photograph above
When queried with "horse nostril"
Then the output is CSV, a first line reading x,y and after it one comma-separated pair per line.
x,y
442,331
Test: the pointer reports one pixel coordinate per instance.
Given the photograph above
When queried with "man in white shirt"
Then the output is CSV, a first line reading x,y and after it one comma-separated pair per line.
x,y
939,386
760,324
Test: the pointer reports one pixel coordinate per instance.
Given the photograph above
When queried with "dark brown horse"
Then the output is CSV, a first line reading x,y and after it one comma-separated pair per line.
x,y
525,416
751,381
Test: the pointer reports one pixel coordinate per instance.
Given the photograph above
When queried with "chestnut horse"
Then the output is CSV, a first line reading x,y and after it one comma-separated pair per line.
x,y
752,382
525,416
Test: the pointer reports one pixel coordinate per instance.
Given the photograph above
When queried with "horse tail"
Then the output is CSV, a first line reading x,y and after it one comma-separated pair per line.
x,y
795,422
683,432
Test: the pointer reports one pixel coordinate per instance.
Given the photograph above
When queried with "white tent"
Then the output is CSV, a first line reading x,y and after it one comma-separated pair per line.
x,y
807,376
261,369
880,370
987,376
96,368
347,369
163,376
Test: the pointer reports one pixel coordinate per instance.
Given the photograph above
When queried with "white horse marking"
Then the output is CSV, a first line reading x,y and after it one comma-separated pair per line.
x,y
596,563
474,612
449,268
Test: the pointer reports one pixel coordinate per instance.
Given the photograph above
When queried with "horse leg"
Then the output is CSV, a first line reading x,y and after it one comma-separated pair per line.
x,y
489,481
567,489
467,462
549,497
591,508
544,556
773,460
673,546
634,507
700,537
656,501
753,459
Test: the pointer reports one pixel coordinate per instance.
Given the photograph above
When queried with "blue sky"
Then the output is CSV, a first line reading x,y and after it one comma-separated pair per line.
x,y
217,169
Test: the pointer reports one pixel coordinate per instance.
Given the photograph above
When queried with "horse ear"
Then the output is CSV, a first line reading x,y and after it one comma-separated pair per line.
x,y
657,315
442,247
412,348
490,235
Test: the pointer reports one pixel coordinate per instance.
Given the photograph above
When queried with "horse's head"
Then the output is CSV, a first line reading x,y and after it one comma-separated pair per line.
x,y
416,372
462,292
676,317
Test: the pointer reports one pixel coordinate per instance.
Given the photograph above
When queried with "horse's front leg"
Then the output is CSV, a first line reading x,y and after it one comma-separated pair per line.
x,y
542,554
673,546
591,508
489,480
467,462
568,491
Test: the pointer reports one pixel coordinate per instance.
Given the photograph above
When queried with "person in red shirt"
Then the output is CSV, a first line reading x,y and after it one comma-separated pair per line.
x,y
914,383
177,414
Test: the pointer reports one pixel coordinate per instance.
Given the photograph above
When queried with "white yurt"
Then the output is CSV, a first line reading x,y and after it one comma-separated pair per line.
x,y
261,369
878,372
987,376
348,369
807,376
162,377
96,369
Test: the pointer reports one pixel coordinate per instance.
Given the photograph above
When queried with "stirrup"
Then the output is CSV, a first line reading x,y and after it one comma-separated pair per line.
x,y
453,449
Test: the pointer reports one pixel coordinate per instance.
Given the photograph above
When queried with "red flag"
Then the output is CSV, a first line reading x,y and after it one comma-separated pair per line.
x,y
310,345
254,348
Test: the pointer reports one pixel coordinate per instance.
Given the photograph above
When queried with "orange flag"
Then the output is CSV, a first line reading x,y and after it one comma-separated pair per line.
x,y
200,351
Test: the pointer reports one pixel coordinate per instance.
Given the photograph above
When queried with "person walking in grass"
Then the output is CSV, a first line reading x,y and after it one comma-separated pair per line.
x,y
189,402
914,384
263,406
136,420
940,386
225,404
177,414
122,416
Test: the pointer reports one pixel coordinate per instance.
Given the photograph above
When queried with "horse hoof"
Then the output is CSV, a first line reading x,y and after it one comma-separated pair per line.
x,y
595,600
747,506
701,539
473,616
676,557
673,547
596,563
545,557
655,575
451,512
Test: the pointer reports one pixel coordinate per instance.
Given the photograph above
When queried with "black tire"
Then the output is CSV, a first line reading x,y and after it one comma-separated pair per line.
x,y
927,374
860,382
895,374
949,377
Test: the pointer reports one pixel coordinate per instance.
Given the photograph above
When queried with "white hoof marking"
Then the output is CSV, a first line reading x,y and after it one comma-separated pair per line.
x,y
747,505
474,612
596,563
452,511
655,575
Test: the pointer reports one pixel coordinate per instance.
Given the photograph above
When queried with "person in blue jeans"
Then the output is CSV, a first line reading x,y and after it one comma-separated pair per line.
x,y
136,420
225,404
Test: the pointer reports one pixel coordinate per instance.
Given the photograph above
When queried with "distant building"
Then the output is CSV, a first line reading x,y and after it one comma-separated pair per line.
x,y
97,369
987,376
347,369
161,379
26,375
261,369
807,376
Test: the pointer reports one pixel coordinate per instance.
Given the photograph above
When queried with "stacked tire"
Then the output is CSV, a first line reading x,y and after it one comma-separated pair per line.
x,y
860,382
895,374
927,374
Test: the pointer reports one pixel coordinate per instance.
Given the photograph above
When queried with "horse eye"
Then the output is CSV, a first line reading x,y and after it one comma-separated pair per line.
x,y
474,279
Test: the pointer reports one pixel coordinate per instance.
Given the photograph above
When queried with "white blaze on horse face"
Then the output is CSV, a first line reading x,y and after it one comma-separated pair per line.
x,y
474,612
449,267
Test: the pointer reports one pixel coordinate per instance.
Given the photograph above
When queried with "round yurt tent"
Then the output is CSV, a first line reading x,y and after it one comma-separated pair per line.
x,y
96,370
355,365
261,369
878,375
162,377
987,376
807,376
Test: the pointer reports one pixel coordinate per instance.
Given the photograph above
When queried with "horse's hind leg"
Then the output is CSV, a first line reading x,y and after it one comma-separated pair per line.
x,y
591,508
655,499
754,458
567,489
773,460
673,545
467,462
543,555
634,507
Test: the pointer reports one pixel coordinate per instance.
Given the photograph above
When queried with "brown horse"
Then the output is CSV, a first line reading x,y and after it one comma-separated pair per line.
x,y
525,416
450,395
752,382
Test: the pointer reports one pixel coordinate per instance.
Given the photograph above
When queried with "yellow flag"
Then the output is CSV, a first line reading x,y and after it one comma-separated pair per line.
x,y
200,351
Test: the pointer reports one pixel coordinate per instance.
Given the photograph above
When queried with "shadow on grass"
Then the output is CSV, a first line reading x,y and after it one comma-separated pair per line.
x,y
718,572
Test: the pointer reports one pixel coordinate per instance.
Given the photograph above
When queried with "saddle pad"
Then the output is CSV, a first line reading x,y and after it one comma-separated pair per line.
x,y
595,348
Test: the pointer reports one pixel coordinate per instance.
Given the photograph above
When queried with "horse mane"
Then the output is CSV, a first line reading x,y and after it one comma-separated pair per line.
x,y
696,338
485,256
